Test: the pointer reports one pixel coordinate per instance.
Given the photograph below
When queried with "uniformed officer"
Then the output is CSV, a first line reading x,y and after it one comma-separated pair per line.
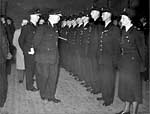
x,y
131,63
95,29
26,44
47,56
85,35
3,56
107,53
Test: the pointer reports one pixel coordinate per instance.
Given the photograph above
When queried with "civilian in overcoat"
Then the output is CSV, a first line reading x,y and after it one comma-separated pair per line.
x,y
3,56
47,57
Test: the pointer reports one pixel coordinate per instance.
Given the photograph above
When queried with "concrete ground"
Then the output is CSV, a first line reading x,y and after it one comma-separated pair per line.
x,y
75,99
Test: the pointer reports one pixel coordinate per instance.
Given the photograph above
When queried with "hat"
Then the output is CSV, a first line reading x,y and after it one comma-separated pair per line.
x,y
105,9
95,8
35,11
128,12
54,12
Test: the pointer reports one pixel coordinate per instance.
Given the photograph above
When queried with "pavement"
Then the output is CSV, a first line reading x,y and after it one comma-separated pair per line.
x,y
74,99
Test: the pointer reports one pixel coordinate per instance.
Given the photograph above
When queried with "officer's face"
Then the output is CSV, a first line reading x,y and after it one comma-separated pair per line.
x,y
3,19
86,20
54,18
124,20
24,22
35,17
8,21
64,23
106,15
41,21
74,23
95,14
79,20
69,23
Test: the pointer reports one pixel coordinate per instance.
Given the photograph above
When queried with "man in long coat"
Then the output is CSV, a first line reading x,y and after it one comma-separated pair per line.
x,y
3,56
47,57
26,44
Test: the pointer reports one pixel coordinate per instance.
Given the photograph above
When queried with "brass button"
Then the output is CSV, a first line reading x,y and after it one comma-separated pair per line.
x,y
101,49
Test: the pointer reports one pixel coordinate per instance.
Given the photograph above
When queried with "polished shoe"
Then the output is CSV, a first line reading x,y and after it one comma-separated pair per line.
x,y
33,89
43,98
20,81
94,92
106,104
123,112
99,98
54,100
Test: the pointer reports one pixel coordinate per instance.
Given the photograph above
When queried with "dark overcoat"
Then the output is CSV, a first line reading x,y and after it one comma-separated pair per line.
x,y
107,56
131,63
46,44
3,56
46,56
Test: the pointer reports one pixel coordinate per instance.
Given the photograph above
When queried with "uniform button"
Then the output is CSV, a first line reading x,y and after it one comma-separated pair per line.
x,y
127,36
101,45
132,58
101,41
33,32
101,49
48,49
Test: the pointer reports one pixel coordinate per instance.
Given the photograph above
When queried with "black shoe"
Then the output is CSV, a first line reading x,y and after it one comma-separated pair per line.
x,y
99,98
54,100
94,92
43,98
20,81
123,112
106,104
33,89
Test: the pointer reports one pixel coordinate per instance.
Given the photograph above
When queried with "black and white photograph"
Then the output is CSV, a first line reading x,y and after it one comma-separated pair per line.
x,y
74,57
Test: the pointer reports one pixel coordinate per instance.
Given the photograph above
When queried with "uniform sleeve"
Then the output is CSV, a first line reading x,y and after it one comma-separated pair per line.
x,y
140,43
22,36
4,43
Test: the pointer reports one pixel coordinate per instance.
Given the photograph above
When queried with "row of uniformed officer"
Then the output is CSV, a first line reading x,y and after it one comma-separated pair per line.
x,y
102,53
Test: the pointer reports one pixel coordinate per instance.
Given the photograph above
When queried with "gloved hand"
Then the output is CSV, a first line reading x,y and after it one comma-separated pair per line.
x,y
9,56
31,52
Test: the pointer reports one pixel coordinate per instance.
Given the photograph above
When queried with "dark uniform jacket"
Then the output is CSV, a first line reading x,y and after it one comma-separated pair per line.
x,y
26,37
108,45
45,44
85,34
133,47
3,45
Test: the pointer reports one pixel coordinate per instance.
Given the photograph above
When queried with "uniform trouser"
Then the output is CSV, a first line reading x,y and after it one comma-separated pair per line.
x,y
29,70
3,84
8,67
48,77
106,82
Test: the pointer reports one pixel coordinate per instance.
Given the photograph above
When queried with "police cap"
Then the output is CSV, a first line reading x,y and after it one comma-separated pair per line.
x,y
105,9
128,12
34,11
